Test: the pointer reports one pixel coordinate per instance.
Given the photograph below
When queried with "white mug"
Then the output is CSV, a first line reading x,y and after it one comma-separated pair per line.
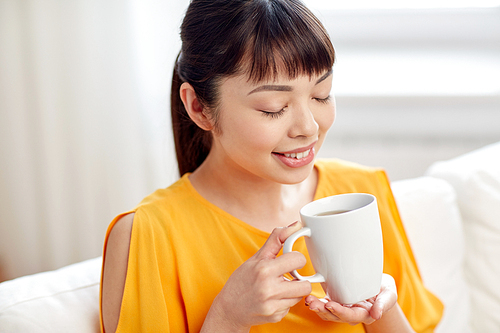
x,y
344,241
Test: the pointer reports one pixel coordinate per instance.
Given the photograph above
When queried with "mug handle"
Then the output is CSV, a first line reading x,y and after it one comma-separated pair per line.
x,y
287,247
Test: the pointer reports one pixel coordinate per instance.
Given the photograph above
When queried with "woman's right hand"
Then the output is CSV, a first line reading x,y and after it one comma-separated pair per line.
x,y
257,292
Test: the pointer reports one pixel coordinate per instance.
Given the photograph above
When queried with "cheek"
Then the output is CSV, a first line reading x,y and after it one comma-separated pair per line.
x,y
326,119
248,134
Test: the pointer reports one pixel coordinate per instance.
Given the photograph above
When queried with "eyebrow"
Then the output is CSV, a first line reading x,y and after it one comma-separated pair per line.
x,y
325,76
274,87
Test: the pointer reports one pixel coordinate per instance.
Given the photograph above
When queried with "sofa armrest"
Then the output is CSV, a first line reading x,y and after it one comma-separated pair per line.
x,y
64,300
476,179
433,224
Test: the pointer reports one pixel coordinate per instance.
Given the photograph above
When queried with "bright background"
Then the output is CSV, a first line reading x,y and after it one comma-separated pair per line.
x,y
415,81
84,102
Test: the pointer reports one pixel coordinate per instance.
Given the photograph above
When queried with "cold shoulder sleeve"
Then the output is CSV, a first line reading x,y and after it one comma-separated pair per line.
x,y
143,308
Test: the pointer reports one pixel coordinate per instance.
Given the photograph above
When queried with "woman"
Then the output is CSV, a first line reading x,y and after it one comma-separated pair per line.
x,y
251,107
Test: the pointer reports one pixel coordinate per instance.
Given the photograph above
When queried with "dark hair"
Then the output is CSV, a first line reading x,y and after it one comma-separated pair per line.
x,y
221,38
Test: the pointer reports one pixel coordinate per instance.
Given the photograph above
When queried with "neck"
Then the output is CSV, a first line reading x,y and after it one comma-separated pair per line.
x,y
260,202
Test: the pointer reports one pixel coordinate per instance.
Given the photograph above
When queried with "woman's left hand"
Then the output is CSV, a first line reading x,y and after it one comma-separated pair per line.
x,y
365,312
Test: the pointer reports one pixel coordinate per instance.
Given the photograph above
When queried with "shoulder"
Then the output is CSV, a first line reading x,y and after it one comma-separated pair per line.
x,y
121,230
117,246
176,195
338,166
180,188
155,217
115,270
342,177
156,208
118,242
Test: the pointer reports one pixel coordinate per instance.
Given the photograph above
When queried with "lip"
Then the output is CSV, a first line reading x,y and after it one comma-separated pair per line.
x,y
293,162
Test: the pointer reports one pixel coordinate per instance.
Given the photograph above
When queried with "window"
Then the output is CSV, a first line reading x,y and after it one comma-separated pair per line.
x,y
415,81
393,4
414,47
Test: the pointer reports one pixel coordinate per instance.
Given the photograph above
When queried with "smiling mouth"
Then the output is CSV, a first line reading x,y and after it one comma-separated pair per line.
x,y
297,158
298,155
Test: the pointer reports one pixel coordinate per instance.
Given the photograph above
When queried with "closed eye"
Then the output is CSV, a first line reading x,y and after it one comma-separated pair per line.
x,y
274,114
323,100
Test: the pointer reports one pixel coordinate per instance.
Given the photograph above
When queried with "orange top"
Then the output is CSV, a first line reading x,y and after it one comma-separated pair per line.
x,y
183,249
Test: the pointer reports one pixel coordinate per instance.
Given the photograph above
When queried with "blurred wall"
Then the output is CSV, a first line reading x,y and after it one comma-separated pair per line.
x,y
84,123
413,85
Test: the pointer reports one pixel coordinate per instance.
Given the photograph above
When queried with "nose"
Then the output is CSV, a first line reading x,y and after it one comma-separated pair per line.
x,y
304,123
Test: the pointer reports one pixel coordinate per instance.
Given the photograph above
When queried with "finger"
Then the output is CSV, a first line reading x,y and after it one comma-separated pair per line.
x,y
289,230
279,308
326,315
290,302
309,299
283,307
288,262
314,303
318,306
352,314
281,288
274,243
293,289
377,310
386,299
364,304
383,302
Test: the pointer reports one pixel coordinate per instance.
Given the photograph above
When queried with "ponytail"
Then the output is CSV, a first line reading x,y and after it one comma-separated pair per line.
x,y
192,144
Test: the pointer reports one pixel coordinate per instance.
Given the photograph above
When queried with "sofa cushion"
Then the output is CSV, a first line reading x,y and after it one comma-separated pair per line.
x,y
64,300
476,179
432,221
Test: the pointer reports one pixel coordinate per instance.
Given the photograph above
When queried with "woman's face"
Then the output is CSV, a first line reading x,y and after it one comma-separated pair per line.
x,y
273,129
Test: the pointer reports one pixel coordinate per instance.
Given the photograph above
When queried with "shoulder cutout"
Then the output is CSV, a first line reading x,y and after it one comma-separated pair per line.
x,y
115,271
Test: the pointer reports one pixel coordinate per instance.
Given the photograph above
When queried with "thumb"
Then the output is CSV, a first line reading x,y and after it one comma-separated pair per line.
x,y
386,299
274,243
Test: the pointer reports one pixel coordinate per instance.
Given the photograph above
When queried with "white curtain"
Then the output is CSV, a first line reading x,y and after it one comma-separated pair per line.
x,y
84,122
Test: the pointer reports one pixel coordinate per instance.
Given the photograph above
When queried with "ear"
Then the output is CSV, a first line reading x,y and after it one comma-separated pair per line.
x,y
194,108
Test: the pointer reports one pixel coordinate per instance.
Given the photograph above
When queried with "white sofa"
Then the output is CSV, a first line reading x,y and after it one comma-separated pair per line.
x,y
452,218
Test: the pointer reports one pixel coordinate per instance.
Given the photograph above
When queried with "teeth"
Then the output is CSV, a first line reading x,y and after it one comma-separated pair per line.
x,y
299,155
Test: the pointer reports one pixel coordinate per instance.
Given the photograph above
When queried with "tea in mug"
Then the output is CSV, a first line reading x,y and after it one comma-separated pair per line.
x,y
332,212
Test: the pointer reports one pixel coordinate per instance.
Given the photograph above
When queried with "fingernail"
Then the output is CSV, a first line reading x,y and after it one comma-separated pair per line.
x,y
292,224
330,308
314,310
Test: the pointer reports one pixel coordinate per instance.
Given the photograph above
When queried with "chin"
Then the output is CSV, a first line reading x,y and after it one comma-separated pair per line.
x,y
296,176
